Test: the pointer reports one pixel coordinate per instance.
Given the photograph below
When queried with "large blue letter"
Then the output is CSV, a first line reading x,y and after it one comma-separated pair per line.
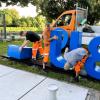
x,y
55,50
90,66
64,36
56,46
75,40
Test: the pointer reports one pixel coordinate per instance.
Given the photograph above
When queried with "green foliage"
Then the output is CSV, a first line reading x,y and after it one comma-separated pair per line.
x,y
51,9
17,29
14,2
13,19
23,22
94,11
29,21
39,21
11,16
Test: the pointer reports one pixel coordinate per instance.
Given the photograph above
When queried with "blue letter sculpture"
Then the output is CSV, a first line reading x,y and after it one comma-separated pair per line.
x,y
90,66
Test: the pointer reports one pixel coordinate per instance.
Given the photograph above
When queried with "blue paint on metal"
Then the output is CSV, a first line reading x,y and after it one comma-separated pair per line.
x,y
13,51
75,40
55,50
64,36
90,66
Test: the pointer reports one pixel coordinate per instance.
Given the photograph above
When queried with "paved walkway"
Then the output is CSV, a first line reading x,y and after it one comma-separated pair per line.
x,y
20,85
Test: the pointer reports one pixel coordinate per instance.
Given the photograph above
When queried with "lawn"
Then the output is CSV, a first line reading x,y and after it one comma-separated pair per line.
x,y
56,74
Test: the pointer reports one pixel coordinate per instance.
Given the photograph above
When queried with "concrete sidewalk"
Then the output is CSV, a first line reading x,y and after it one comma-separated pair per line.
x,y
20,85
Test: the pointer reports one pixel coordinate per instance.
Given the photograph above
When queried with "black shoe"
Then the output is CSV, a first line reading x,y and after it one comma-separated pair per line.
x,y
76,79
33,60
45,70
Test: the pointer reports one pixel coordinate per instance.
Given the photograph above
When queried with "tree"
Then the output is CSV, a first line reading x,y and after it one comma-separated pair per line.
x,y
23,22
29,21
51,9
12,16
94,11
15,16
39,21
14,2
8,17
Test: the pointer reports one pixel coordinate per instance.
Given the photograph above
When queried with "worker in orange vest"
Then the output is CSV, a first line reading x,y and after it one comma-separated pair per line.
x,y
75,60
37,42
78,66
47,39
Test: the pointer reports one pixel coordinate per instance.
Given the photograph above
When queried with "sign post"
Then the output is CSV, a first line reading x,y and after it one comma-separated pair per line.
x,y
4,26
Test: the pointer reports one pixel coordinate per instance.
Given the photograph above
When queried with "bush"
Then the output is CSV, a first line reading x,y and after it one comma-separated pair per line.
x,y
17,29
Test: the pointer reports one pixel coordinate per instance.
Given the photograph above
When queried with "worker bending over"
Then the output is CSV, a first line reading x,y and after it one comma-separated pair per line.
x,y
37,42
75,59
47,39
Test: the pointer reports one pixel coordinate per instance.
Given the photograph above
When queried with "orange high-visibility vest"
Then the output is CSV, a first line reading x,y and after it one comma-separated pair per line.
x,y
79,65
46,37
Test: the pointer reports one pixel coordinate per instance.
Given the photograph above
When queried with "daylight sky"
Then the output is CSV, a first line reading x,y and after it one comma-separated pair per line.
x,y
23,11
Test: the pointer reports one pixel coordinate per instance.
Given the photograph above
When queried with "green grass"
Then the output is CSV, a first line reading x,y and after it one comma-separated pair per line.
x,y
60,75
17,29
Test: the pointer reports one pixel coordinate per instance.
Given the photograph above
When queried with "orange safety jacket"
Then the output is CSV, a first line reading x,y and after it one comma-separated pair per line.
x,y
46,37
79,65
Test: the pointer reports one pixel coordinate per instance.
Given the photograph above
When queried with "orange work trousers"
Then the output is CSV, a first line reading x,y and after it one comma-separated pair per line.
x,y
79,65
37,46
46,53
